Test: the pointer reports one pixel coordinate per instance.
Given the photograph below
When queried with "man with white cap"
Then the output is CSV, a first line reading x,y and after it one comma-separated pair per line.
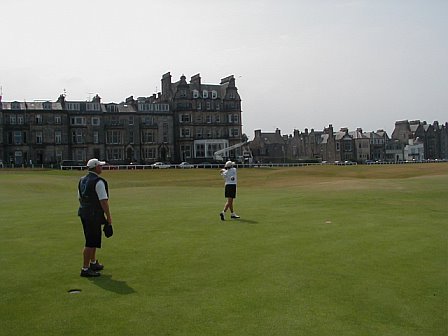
x,y
229,174
93,194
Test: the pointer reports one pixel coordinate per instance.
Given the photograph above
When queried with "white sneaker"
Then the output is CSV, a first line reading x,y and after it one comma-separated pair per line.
x,y
234,216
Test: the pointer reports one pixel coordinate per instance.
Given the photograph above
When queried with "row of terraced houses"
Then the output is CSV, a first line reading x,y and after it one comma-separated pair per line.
x,y
184,122
189,121
413,140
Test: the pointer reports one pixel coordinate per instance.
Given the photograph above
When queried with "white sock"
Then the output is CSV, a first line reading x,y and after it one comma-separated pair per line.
x,y
93,262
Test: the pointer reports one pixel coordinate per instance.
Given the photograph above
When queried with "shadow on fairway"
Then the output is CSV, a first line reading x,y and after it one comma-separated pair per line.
x,y
106,282
248,221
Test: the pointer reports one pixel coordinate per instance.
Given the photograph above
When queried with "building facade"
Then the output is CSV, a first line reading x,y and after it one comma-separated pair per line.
x,y
186,121
413,140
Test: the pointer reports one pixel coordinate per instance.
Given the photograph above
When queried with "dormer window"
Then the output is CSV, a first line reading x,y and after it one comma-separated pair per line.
x,y
15,106
205,94
93,107
195,94
46,106
214,94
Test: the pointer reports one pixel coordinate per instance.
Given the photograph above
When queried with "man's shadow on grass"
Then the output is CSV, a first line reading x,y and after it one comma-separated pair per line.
x,y
248,221
117,286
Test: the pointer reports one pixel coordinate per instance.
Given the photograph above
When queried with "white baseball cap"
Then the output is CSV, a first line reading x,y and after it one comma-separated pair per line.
x,y
229,164
92,163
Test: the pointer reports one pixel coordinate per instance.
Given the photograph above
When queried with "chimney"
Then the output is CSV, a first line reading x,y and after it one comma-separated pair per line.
x,y
258,133
196,80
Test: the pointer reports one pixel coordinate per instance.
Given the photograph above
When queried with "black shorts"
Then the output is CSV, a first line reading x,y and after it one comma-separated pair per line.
x,y
92,232
230,191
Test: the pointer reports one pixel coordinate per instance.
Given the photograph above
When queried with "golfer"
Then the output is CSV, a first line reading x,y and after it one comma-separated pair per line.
x,y
229,174
93,194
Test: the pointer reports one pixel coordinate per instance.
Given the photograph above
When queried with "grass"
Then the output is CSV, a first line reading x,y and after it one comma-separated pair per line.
x,y
318,251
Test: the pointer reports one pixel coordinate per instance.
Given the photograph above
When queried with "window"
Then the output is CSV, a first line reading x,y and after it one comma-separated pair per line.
x,y
115,120
58,137
205,94
114,137
200,150
212,148
95,121
93,107
39,139
185,152
165,132
235,118
149,153
12,119
338,146
183,93
234,132
46,106
185,133
17,138
148,120
20,120
214,94
208,119
185,118
96,137
57,120
115,154
131,137
199,133
195,94
208,105
148,137
58,156
112,108
217,118
38,119
15,106
131,120
73,106
77,136
78,121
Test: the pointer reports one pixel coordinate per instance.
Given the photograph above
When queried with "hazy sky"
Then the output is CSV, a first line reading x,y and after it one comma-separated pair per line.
x,y
298,63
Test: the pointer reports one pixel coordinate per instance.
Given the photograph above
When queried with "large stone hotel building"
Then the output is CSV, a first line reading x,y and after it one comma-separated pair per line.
x,y
187,121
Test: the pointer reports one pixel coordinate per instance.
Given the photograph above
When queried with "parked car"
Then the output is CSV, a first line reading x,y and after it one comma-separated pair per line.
x,y
185,165
160,165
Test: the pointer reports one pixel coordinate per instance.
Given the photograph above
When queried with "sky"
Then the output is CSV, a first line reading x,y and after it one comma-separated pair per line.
x,y
297,63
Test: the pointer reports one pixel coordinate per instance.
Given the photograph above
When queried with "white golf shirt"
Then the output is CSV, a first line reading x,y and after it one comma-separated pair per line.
x,y
229,175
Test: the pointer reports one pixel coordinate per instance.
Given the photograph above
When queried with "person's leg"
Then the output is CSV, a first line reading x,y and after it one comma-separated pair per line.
x,y
230,204
89,254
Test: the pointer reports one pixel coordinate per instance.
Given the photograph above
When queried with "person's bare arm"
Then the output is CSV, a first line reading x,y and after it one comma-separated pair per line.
x,y
105,206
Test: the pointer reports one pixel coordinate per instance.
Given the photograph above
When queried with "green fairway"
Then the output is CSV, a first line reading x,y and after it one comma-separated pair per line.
x,y
319,250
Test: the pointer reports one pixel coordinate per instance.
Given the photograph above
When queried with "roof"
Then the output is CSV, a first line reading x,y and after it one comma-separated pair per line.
x,y
34,105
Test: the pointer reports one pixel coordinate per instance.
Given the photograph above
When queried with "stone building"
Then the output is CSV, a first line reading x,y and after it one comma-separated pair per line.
x,y
206,117
183,122
269,147
433,137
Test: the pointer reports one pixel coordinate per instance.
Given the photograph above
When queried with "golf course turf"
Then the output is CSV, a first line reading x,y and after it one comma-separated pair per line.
x,y
319,250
